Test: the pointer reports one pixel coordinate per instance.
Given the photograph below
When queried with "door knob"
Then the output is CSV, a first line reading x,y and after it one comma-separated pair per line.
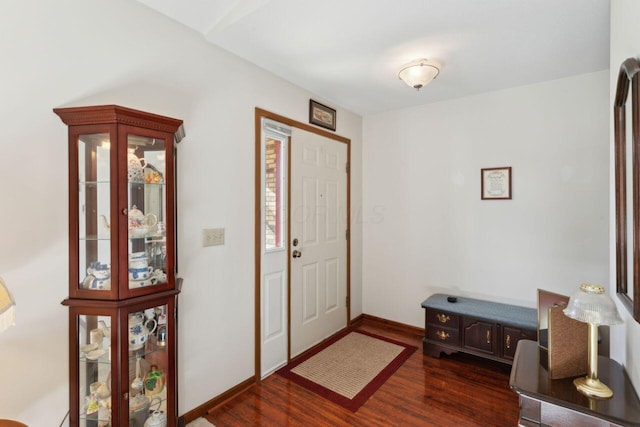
x,y
297,254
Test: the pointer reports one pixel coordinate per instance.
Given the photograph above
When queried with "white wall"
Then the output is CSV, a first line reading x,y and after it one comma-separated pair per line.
x,y
79,52
426,229
625,43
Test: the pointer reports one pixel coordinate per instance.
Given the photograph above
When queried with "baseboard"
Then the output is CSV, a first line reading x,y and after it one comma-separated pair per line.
x,y
357,321
207,407
210,405
412,330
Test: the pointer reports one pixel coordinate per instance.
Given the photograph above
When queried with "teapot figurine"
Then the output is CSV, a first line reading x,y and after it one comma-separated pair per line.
x,y
157,419
139,223
138,332
135,167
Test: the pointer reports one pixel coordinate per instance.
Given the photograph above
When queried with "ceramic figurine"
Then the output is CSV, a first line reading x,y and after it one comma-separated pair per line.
x,y
154,381
157,419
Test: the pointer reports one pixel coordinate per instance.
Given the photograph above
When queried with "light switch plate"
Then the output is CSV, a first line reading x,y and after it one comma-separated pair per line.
x,y
212,237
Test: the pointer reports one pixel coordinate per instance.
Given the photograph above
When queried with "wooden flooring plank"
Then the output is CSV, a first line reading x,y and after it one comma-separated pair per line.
x,y
457,390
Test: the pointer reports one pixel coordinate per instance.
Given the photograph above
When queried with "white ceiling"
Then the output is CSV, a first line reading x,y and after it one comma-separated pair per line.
x,y
349,51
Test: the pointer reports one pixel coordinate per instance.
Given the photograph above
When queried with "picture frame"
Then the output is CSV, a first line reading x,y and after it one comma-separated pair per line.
x,y
321,115
495,183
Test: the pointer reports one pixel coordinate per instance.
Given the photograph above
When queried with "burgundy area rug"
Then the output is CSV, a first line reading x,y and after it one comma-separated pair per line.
x,y
349,367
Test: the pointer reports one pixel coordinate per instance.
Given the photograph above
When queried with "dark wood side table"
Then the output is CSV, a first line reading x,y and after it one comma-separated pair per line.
x,y
546,402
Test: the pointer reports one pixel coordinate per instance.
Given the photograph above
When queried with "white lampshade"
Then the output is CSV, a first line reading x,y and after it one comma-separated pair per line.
x,y
7,307
418,73
589,304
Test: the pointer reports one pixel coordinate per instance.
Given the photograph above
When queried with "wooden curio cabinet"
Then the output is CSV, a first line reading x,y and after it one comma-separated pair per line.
x,y
122,266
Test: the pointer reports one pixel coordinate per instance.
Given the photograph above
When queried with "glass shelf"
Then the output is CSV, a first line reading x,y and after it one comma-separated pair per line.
x,y
94,238
97,419
147,184
93,182
149,349
155,237
104,359
151,236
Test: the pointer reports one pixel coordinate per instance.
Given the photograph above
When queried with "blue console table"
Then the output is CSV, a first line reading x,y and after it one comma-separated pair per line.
x,y
483,328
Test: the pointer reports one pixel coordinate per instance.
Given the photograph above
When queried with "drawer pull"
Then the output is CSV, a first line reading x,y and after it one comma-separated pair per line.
x,y
508,341
443,318
442,335
488,337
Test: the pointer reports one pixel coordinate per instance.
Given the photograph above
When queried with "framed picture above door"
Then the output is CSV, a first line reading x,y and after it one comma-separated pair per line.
x,y
322,115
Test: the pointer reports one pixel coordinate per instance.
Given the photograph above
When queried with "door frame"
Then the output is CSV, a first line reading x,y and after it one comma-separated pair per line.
x,y
259,115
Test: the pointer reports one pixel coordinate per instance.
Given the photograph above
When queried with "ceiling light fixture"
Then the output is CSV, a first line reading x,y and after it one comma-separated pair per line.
x,y
418,73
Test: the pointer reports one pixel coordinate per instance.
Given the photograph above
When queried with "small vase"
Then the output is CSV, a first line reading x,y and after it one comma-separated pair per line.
x,y
157,419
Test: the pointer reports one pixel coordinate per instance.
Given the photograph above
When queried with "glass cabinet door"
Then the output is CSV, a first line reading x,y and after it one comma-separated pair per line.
x,y
94,207
149,365
94,370
147,211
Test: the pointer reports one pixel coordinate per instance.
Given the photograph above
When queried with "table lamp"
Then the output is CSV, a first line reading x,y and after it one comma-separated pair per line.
x,y
7,307
591,305
7,318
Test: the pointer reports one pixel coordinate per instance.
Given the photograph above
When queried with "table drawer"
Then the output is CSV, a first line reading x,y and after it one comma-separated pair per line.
x,y
480,335
442,318
443,335
510,338
529,409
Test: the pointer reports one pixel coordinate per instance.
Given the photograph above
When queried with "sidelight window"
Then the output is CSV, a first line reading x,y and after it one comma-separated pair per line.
x,y
275,143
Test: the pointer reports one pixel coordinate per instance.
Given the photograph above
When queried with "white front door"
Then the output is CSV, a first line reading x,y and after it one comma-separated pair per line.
x,y
318,239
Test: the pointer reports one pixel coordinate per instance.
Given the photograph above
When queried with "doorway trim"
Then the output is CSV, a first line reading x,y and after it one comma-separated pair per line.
x,y
259,115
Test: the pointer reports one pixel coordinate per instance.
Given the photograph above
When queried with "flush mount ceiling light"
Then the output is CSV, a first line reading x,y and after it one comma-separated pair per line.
x,y
418,73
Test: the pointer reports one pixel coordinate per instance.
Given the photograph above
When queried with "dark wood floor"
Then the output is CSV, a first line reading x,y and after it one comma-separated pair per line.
x,y
455,390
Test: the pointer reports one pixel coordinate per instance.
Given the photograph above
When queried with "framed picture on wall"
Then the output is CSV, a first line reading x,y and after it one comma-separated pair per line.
x,y
496,183
322,115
